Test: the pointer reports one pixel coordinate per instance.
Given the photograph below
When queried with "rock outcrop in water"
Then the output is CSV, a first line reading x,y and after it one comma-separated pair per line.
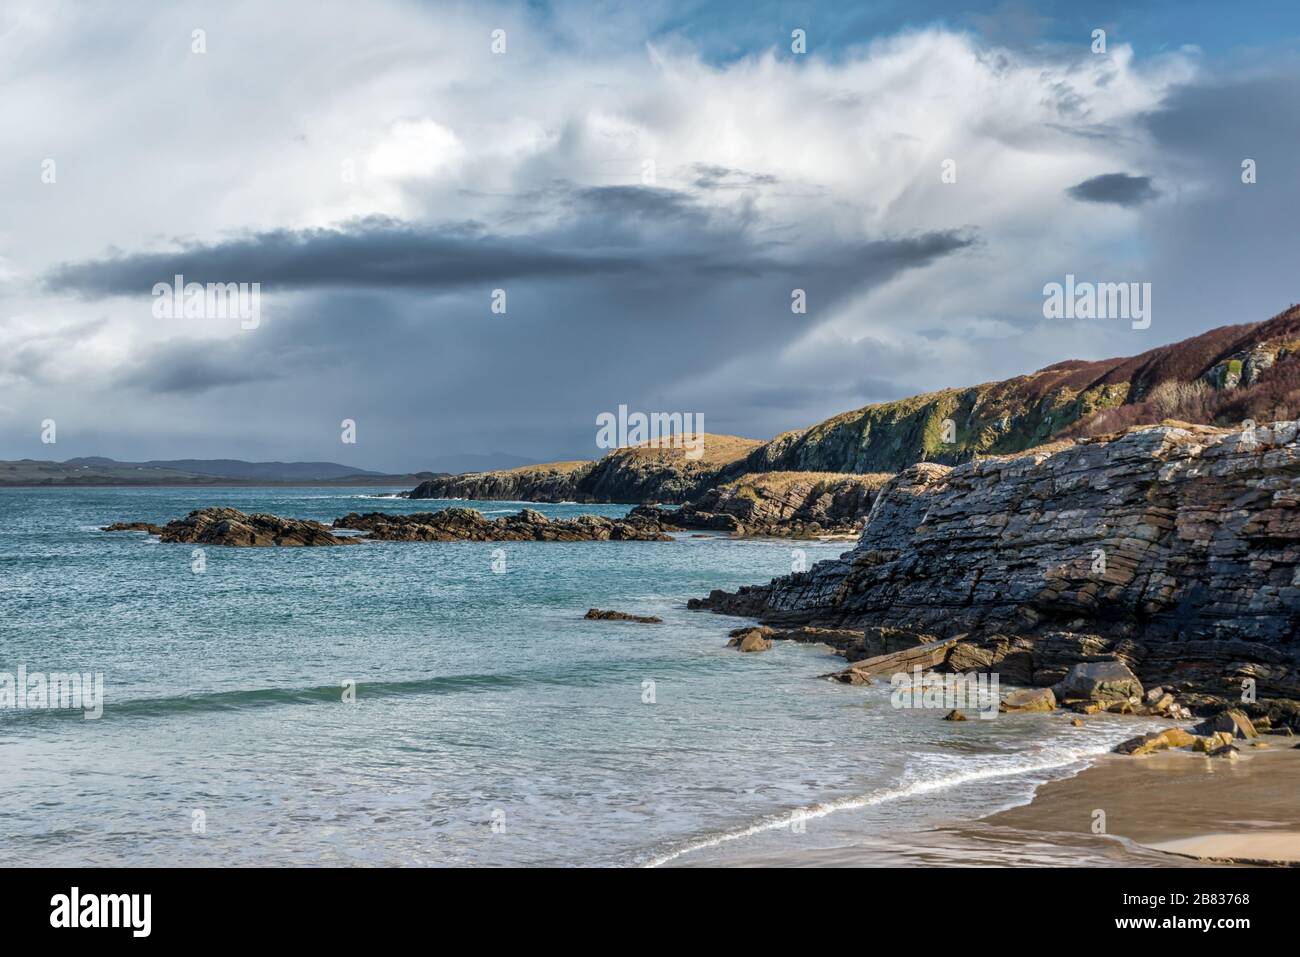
x,y
469,525
149,527
1173,550
229,526
597,614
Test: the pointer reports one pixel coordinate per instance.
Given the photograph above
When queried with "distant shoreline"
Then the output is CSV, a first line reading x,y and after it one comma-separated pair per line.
x,y
227,483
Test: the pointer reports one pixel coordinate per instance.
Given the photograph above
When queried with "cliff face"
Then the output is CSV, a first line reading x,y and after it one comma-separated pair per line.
x,y
557,482
787,504
1177,547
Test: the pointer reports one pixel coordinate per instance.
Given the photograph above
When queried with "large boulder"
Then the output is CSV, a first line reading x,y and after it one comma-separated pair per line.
x,y
1232,722
1099,681
1028,699
752,639
1157,741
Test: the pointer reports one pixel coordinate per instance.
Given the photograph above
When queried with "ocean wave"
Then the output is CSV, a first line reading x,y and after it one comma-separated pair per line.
x,y
248,698
339,495
577,674
1053,762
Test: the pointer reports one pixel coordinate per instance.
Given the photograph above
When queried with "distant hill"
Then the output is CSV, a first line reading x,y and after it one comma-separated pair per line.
x,y
236,468
97,470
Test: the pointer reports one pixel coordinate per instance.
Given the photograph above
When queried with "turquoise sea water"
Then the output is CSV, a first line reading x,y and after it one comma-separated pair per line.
x,y
491,724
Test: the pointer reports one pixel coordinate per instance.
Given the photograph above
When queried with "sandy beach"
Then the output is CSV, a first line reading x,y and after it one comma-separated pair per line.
x,y
1178,803
1172,809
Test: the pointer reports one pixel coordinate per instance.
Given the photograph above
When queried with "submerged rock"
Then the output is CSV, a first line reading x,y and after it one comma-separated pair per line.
x,y
133,527
596,614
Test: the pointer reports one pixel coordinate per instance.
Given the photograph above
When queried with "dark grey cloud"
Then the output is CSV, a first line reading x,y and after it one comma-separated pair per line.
x,y
628,232
374,253
1120,189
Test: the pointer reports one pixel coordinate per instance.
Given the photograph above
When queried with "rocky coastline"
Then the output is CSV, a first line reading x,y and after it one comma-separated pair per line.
x,y
777,505
639,474
1172,552
232,528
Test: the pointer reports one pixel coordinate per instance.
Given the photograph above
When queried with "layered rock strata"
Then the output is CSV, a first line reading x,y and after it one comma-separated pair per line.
x,y
1173,550
780,504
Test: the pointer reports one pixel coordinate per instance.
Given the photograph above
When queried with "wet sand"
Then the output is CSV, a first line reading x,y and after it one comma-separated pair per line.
x,y
1179,803
1174,809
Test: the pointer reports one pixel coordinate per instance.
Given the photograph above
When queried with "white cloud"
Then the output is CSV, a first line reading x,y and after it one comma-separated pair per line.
x,y
416,149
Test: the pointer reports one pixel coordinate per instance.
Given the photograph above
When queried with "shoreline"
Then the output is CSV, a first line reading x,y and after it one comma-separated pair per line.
x,y
1200,808
1170,809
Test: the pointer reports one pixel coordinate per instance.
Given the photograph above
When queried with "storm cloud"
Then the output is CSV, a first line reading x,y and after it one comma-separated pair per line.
x,y
607,232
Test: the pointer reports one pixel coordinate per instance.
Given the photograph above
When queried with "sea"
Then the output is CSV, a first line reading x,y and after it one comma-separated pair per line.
x,y
447,704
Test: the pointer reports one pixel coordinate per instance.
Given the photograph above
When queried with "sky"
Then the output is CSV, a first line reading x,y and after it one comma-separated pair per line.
x,y
473,243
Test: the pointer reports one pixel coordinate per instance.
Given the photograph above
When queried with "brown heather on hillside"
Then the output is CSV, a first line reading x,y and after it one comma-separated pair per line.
x,y
1243,371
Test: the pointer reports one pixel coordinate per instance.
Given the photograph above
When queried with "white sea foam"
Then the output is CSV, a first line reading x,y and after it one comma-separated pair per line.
x,y
1055,762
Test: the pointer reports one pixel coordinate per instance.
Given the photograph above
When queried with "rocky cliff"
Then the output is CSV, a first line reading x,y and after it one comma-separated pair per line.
x,y
1175,549
786,504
